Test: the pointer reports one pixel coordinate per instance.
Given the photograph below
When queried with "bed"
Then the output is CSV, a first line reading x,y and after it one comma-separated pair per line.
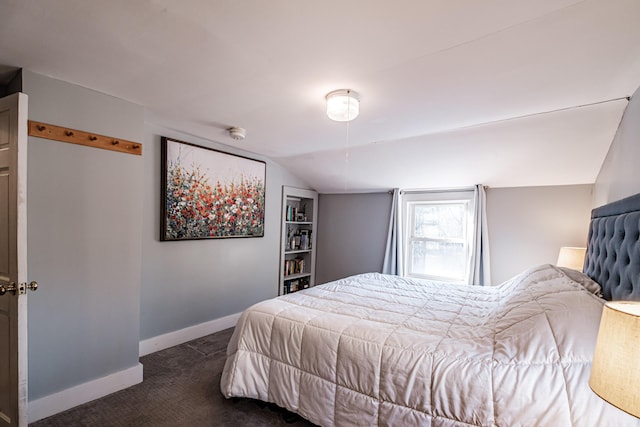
x,y
381,350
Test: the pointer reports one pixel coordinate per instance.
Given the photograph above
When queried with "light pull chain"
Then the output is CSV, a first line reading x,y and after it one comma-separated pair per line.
x,y
346,151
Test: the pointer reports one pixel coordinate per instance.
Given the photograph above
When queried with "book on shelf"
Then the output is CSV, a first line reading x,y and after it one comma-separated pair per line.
x,y
295,215
291,286
294,266
291,213
295,285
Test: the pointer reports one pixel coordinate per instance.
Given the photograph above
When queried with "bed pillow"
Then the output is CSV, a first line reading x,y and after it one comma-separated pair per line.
x,y
583,279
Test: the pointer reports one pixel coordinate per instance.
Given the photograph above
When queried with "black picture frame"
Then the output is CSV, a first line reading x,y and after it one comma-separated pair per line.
x,y
210,194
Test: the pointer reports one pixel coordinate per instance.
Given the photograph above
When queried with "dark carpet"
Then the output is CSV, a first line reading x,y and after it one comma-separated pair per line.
x,y
181,387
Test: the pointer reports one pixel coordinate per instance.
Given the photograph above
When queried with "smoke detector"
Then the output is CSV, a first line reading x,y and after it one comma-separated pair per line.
x,y
237,133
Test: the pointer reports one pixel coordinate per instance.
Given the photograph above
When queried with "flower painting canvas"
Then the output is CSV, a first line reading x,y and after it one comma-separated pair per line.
x,y
210,194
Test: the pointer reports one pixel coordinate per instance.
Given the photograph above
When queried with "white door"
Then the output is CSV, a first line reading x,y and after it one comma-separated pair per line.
x,y
13,260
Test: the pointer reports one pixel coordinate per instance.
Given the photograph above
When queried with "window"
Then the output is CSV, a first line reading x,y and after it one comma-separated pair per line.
x,y
438,235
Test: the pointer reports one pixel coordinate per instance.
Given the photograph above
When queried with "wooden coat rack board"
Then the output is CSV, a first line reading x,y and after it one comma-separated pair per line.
x,y
58,133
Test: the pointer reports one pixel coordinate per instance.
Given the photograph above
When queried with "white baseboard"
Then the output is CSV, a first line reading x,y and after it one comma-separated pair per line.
x,y
95,389
171,339
83,393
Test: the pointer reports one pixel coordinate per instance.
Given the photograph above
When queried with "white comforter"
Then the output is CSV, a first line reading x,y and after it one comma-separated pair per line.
x,y
376,350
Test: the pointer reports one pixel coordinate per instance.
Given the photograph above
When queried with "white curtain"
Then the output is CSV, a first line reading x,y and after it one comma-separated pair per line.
x,y
480,262
393,254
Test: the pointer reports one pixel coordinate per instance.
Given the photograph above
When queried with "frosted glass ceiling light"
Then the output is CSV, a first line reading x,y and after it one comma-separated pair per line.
x,y
343,105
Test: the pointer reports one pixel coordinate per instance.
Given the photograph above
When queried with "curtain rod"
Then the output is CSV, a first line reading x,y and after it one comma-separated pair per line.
x,y
436,190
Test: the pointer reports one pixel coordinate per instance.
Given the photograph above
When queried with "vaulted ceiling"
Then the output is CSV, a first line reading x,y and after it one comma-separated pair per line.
x,y
453,92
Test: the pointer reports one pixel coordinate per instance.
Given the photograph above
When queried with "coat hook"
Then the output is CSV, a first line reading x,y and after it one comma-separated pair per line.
x,y
41,127
115,142
135,147
68,133
92,137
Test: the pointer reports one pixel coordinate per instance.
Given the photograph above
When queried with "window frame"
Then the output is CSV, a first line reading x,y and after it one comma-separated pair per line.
x,y
411,199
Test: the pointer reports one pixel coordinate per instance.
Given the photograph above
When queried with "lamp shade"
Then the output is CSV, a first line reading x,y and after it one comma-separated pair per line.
x,y
343,105
571,257
615,372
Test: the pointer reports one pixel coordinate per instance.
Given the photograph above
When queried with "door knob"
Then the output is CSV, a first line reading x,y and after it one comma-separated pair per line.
x,y
21,289
8,287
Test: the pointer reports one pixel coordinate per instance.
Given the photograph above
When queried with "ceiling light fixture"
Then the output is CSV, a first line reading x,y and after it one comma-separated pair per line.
x,y
343,105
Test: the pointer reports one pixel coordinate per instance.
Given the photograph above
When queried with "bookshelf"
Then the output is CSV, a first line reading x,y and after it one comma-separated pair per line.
x,y
298,241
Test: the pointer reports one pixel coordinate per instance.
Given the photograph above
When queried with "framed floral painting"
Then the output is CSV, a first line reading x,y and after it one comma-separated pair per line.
x,y
209,194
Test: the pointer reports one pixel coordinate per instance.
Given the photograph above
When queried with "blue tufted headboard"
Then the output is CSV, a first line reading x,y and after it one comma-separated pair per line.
x,y
613,249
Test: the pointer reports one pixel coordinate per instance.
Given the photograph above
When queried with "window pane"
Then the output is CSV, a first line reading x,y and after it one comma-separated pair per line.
x,y
441,259
441,220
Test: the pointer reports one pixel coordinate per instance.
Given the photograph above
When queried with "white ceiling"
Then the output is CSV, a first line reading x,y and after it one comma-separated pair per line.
x,y
453,92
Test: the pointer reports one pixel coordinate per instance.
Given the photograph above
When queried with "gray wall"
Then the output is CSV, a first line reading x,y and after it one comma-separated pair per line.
x,y
185,283
93,223
528,225
84,247
619,176
352,234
